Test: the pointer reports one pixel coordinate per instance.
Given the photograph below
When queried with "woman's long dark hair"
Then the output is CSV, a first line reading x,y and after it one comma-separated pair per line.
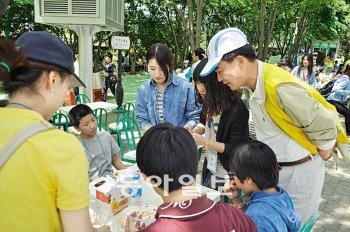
x,y
164,58
309,68
218,96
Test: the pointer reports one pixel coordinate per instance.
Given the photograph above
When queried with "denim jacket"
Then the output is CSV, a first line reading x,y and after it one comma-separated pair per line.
x,y
179,103
341,90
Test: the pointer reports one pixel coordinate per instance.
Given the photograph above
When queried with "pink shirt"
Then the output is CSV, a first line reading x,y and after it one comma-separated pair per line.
x,y
200,214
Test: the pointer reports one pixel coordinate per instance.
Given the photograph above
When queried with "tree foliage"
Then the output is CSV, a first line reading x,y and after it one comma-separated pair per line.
x,y
281,26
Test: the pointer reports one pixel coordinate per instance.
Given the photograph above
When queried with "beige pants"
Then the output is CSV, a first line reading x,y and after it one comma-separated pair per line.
x,y
304,184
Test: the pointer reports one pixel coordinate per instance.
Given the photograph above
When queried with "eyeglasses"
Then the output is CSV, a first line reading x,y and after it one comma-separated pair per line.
x,y
231,174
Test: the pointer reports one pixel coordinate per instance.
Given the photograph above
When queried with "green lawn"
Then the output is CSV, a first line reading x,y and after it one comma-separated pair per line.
x,y
130,85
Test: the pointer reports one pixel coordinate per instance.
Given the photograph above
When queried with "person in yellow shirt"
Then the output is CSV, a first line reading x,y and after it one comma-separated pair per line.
x,y
44,183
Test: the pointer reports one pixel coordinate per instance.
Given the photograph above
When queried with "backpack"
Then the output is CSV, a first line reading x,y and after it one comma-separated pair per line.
x,y
20,137
327,88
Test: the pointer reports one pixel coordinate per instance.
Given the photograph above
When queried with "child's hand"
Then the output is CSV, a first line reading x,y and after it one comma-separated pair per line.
x,y
231,190
103,229
199,139
134,222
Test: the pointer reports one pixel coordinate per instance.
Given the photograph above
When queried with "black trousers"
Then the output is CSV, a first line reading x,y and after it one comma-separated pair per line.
x,y
107,83
343,111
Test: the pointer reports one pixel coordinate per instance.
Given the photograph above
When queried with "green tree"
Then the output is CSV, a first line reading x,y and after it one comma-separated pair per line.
x,y
3,5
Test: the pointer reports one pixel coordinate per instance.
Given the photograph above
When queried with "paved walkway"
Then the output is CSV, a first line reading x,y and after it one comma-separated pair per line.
x,y
335,203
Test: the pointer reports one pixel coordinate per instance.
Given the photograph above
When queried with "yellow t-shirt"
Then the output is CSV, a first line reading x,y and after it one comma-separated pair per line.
x,y
48,172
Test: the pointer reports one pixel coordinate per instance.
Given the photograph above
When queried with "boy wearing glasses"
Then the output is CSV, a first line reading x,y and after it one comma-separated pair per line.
x,y
254,170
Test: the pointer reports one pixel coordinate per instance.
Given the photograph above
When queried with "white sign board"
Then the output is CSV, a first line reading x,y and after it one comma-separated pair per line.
x,y
120,42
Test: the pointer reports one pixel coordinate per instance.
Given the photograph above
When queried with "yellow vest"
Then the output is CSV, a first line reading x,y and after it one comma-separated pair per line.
x,y
273,76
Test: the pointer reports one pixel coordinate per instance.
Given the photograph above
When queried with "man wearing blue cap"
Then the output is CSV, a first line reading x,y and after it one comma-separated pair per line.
x,y
289,115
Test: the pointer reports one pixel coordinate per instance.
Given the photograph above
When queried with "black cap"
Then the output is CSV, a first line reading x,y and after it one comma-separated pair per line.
x,y
47,48
281,62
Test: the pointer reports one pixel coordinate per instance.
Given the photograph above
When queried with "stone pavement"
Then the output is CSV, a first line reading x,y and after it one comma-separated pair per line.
x,y
335,203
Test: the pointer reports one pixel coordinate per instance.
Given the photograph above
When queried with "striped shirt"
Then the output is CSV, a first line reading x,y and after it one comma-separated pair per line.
x,y
160,105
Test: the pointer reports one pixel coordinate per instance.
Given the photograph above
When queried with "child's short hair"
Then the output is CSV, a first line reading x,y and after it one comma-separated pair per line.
x,y
256,160
78,112
168,150
109,55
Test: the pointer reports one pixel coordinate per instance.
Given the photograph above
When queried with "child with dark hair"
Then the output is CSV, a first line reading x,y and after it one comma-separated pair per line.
x,y
226,125
254,170
110,80
168,156
101,149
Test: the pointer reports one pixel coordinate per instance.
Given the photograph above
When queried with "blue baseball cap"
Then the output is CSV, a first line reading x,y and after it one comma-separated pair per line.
x,y
224,41
47,48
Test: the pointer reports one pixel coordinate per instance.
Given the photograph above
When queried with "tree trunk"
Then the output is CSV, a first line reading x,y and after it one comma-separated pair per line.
x,y
261,31
133,62
3,5
174,36
270,26
186,34
199,24
97,53
190,23
298,38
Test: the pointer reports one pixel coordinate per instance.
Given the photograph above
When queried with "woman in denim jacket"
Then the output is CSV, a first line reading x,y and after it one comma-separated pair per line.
x,y
339,95
165,98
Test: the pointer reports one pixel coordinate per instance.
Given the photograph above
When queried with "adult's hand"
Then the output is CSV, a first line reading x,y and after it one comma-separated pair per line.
x,y
325,154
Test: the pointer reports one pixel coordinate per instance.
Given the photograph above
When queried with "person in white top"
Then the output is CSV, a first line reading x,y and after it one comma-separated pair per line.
x,y
198,56
76,71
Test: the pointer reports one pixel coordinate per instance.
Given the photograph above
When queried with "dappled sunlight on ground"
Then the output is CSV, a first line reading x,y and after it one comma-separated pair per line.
x,y
335,203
